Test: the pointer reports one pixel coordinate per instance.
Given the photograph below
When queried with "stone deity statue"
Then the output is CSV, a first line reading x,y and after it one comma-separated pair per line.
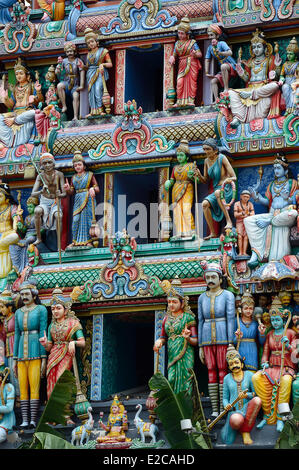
x,y
188,54
261,98
288,75
242,209
71,76
47,214
29,355
217,169
222,53
268,234
216,322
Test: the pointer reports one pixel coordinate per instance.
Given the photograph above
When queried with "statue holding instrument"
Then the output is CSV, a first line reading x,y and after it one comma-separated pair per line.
x,y
48,213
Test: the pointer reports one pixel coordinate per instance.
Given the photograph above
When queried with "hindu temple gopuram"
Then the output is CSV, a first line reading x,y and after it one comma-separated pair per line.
x,y
149,224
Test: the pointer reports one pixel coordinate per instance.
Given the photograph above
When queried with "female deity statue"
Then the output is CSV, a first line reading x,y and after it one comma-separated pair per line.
x,y
17,126
64,334
180,333
27,230
97,63
85,186
248,332
116,425
273,384
188,54
274,244
182,194
242,209
288,75
261,99
9,217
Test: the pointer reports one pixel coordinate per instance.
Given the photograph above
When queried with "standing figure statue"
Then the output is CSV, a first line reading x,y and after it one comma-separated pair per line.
x,y
219,171
216,321
65,333
220,51
188,53
46,213
269,233
19,252
16,127
182,193
7,401
242,416
180,334
29,355
288,75
261,99
9,217
242,209
274,382
85,187
7,309
71,76
248,333
97,62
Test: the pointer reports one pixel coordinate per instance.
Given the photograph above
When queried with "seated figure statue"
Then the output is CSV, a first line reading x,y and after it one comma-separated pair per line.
x,y
269,233
117,424
261,98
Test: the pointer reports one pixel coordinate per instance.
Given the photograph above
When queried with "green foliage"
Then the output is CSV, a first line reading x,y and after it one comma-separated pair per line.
x,y
198,417
289,436
171,409
43,440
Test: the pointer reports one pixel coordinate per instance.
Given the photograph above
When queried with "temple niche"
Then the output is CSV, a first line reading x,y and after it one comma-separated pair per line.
x,y
149,196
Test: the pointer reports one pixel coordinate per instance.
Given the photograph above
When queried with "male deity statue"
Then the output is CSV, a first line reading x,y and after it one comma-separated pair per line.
x,y
269,233
47,213
71,74
216,320
219,171
261,97
220,51
7,401
288,75
29,355
242,209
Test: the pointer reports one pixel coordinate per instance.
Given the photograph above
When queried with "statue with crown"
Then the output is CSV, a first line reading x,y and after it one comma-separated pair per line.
x,y
18,125
116,427
179,332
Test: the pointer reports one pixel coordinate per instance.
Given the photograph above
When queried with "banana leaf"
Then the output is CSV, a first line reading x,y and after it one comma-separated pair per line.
x,y
289,436
171,409
198,417
45,440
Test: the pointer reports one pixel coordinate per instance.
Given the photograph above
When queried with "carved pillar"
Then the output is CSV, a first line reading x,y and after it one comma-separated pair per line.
x,y
120,66
108,207
97,355
164,217
159,316
168,86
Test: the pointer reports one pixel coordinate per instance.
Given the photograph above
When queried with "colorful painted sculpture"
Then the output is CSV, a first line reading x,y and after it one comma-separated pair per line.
x,y
219,171
19,252
295,386
188,54
220,51
242,416
288,75
182,194
145,428
48,116
97,63
71,76
29,355
65,333
9,217
48,213
117,424
7,400
7,309
5,11
261,99
248,333
180,334
242,209
82,433
216,321
273,384
285,298
53,9
85,187
273,244
16,127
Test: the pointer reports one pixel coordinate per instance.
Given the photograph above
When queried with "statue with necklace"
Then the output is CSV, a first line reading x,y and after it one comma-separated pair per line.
x,y
268,234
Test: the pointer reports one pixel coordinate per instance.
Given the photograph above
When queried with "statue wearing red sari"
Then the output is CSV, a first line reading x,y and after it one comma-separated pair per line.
x,y
188,53
64,334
